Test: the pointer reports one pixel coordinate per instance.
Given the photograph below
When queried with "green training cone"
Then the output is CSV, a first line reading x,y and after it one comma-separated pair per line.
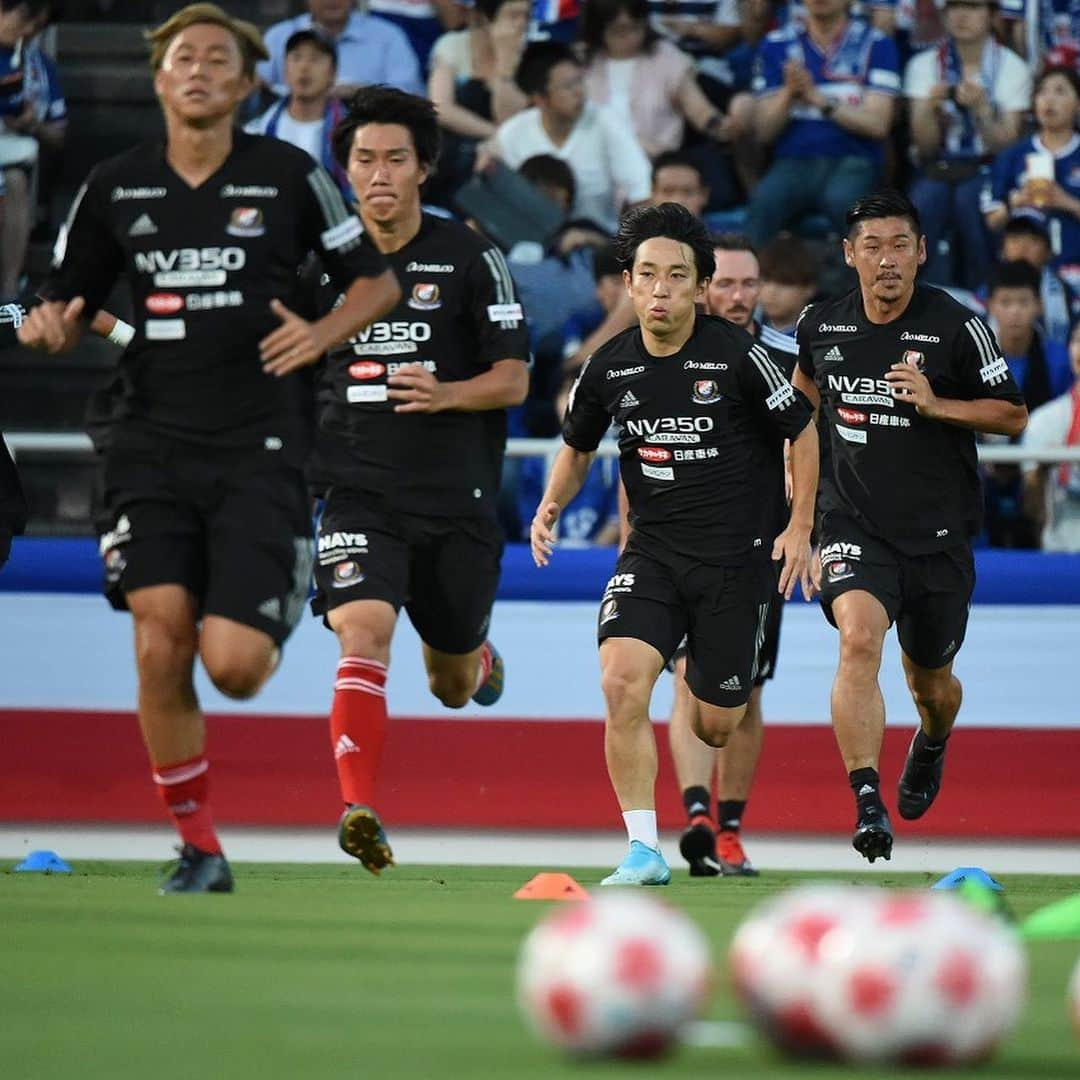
x,y
1059,921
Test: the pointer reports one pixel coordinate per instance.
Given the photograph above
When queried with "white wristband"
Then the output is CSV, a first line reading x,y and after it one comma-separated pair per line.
x,y
121,334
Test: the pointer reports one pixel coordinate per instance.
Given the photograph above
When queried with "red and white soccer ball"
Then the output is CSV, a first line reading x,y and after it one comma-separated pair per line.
x,y
1074,998
888,976
618,975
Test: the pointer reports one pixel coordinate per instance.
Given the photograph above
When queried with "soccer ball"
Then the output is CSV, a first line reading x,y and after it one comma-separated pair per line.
x,y
618,975
775,961
878,975
1074,997
921,978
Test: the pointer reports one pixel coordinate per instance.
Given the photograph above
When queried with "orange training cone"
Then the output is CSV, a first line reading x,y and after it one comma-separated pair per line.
x,y
551,887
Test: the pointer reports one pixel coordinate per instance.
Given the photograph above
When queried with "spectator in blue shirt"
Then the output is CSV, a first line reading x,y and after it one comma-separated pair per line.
x,y
825,96
1043,170
369,49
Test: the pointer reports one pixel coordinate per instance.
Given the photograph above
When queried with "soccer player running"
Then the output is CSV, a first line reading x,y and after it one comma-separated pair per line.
x,y
412,437
904,377
702,413
713,847
208,537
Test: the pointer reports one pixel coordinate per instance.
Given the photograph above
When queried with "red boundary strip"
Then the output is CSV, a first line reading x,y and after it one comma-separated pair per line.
x,y
277,770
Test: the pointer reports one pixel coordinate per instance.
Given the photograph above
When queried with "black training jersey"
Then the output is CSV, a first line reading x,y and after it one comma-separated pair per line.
x,y
203,265
784,352
700,437
911,481
458,316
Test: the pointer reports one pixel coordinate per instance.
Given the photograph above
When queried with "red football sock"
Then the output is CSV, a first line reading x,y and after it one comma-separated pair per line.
x,y
358,726
184,787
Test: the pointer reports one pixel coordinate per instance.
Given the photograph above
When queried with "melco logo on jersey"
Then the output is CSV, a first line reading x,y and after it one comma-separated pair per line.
x,y
120,194
621,373
929,339
703,365
248,191
366,369
837,328
429,268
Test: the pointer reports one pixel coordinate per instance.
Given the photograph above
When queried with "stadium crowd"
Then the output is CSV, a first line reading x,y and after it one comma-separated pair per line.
x,y
763,117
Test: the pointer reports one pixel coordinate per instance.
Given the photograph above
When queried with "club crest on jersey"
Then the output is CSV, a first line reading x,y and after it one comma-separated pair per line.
x,y
916,359
246,221
706,392
425,297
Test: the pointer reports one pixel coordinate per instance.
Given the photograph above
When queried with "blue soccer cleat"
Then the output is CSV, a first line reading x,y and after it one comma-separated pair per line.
x,y
643,865
490,690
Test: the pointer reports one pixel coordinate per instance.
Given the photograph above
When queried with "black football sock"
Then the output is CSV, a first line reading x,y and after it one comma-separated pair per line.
x,y
729,813
696,801
865,783
926,752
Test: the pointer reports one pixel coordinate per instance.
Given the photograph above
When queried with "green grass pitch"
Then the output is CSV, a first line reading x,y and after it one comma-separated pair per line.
x,y
324,971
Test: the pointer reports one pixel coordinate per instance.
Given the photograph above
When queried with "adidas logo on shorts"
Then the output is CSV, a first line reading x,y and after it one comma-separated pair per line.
x,y
629,401
833,356
731,684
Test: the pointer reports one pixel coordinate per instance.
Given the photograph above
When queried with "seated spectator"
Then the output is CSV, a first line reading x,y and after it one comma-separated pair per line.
x,y
1043,170
610,168
472,82
18,148
1041,370
1043,32
369,49
592,516
1027,238
677,178
646,81
306,118
422,21
610,291
967,96
1052,492
825,103
789,281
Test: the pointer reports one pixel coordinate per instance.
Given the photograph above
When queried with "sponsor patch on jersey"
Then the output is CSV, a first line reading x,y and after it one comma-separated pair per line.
x,y
162,303
914,358
854,435
706,392
654,472
625,372
609,610
165,329
654,454
358,395
347,232
837,328
425,296
702,365
366,369
248,191
995,371
504,312
782,398
429,268
246,221
869,399
929,339
347,573
851,416
385,348
122,194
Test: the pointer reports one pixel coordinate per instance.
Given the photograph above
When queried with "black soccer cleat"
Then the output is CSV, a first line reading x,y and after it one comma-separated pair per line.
x,y
361,835
873,834
198,871
697,845
919,784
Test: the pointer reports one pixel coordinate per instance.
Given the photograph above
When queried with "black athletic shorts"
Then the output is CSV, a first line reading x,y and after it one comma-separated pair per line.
x,y
443,571
770,645
232,527
721,610
927,596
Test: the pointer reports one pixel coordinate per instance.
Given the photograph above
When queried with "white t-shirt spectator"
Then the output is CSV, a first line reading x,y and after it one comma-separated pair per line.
x,y
1051,425
608,163
1005,77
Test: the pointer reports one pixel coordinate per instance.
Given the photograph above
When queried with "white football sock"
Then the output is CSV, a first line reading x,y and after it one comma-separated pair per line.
x,y
641,825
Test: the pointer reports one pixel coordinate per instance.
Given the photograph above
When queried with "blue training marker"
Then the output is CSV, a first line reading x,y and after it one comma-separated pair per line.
x,y
43,862
961,874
